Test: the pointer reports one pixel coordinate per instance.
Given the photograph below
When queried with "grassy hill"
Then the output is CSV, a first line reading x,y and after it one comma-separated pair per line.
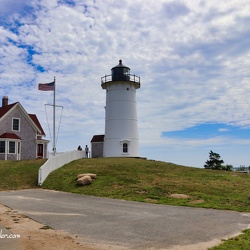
x,y
138,180
19,174
156,182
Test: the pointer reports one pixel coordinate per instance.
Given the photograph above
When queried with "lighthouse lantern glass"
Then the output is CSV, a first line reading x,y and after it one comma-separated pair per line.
x,y
120,72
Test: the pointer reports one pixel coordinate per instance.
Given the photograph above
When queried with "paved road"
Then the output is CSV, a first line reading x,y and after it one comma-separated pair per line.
x,y
132,225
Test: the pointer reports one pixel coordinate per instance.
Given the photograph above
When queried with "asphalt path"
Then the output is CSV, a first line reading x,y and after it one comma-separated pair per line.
x,y
117,224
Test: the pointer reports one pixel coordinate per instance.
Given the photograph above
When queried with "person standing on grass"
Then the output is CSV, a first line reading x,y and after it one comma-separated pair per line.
x,y
87,151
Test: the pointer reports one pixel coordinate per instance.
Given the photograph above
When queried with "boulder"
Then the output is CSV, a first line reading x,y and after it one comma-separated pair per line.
x,y
92,176
84,180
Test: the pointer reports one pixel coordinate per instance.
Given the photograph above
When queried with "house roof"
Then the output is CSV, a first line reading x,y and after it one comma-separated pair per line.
x,y
32,117
97,138
10,136
36,121
5,109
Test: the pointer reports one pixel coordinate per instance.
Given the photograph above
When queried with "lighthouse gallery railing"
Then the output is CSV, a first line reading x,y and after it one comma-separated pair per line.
x,y
121,77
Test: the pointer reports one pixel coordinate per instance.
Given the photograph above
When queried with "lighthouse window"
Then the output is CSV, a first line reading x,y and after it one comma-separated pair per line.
x,y
126,71
125,148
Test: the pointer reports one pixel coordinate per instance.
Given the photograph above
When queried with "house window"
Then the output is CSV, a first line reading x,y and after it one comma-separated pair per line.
x,y
12,147
16,124
125,147
2,146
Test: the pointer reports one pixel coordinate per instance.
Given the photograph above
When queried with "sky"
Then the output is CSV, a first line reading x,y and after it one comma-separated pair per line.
x,y
193,59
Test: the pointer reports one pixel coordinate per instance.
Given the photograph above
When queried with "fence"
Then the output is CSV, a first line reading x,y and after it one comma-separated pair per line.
x,y
56,162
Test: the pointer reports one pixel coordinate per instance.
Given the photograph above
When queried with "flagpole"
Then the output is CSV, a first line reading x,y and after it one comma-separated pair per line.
x,y
54,118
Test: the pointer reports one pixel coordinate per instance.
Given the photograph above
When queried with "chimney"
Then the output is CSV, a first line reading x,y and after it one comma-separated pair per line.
x,y
5,101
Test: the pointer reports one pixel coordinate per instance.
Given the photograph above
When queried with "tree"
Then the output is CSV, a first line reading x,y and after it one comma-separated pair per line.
x,y
228,167
214,161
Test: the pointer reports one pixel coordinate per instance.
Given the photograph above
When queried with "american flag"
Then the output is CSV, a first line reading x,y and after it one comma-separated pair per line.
x,y
47,86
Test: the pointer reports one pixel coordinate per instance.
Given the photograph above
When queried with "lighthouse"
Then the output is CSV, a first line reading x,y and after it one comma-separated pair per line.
x,y
121,137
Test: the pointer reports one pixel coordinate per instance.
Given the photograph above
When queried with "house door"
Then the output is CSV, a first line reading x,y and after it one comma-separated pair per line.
x,y
40,151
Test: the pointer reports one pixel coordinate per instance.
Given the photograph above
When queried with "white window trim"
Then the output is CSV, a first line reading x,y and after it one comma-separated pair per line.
x,y
7,152
19,125
9,147
122,142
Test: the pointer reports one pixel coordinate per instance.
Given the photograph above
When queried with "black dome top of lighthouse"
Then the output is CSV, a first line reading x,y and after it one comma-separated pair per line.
x,y
120,65
120,73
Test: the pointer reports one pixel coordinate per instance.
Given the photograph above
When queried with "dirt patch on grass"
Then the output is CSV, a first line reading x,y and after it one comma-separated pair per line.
x,y
184,196
180,196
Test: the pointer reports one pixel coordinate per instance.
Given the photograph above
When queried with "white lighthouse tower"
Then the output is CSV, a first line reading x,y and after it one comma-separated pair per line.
x,y
121,125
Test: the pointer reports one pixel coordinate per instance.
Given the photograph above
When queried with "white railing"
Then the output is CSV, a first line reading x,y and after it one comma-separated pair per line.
x,y
56,162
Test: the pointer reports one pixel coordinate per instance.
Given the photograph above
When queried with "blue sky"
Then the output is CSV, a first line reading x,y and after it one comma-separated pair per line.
x,y
193,58
206,131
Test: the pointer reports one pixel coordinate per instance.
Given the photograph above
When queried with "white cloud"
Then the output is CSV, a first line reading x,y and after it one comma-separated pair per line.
x,y
192,57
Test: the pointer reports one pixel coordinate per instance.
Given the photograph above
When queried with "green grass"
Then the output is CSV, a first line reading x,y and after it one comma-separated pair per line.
x,y
154,181
142,180
19,174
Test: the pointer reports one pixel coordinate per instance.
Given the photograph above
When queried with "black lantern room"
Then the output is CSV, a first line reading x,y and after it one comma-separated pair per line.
x,y
120,72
